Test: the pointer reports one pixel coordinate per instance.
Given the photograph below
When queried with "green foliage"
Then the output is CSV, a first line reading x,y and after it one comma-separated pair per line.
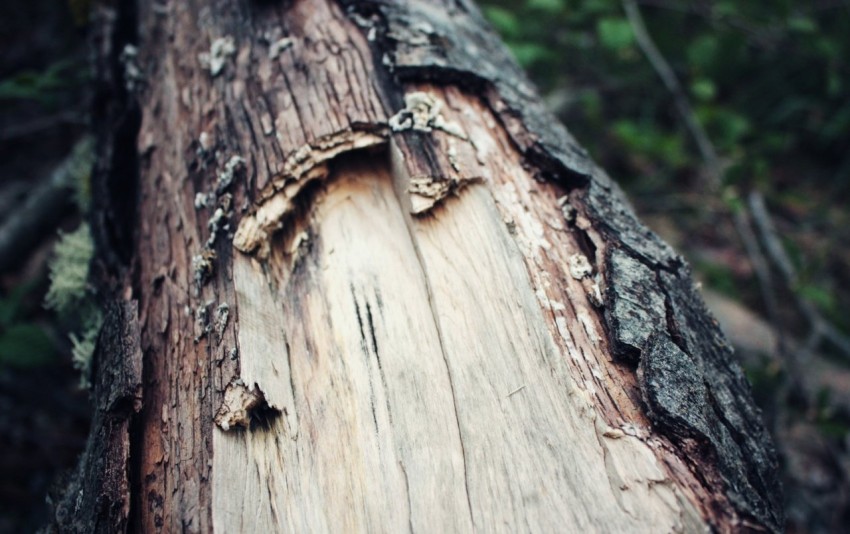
x,y
614,33
22,343
767,81
644,139
765,78
44,86
719,277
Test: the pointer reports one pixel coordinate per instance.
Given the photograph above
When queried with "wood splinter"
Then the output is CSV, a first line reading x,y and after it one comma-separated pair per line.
x,y
240,405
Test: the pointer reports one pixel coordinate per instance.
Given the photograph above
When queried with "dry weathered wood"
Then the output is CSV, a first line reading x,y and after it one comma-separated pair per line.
x,y
381,289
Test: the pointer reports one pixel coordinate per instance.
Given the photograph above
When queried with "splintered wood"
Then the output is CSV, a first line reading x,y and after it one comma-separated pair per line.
x,y
390,286
427,381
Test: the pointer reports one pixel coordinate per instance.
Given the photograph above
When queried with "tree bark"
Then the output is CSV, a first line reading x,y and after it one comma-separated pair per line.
x,y
380,288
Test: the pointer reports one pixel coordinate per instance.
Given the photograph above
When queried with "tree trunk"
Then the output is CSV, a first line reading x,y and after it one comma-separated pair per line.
x,y
366,283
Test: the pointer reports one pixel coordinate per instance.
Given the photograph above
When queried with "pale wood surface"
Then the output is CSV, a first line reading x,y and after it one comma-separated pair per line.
x,y
411,317
419,384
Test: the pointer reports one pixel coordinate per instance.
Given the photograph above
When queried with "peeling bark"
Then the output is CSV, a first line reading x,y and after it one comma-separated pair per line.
x,y
371,269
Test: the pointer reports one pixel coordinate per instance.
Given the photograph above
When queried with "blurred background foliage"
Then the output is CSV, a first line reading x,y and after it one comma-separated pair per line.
x,y
767,82
765,225
44,100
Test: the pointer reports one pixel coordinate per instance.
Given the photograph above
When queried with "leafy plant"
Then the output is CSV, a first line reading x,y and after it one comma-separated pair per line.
x,y
22,342
46,85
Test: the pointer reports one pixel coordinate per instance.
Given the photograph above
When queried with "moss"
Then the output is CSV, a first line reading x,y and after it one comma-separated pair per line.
x,y
72,297
69,271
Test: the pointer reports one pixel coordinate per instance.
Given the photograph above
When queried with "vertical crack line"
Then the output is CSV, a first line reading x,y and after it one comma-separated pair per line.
x,y
407,491
374,337
364,345
293,431
441,340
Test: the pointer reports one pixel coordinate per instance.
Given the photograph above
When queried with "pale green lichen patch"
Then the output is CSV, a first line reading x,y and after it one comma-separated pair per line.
x,y
84,344
72,297
69,270
82,159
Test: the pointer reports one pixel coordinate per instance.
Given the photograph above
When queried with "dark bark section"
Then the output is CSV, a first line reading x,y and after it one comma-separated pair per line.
x,y
690,381
115,122
98,497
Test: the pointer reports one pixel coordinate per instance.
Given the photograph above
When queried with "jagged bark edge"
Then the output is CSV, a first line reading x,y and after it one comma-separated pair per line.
x,y
686,352
97,498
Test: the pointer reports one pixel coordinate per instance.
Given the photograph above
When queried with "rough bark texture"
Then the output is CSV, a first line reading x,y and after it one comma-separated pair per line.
x,y
98,497
381,288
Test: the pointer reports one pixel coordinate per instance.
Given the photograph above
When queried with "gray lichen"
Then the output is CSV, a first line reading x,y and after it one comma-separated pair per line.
x,y
221,50
203,326
222,314
203,266
276,47
228,173
422,113
133,77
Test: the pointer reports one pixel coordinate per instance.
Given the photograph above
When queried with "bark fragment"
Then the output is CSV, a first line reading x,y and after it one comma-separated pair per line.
x,y
240,405
98,497
308,163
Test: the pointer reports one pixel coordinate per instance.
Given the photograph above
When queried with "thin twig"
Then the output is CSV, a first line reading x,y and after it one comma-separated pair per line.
x,y
714,168
665,72
770,237
40,212
761,268
765,36
821,328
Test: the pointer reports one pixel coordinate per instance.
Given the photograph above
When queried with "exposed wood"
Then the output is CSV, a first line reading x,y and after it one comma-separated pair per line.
x,y
380,289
